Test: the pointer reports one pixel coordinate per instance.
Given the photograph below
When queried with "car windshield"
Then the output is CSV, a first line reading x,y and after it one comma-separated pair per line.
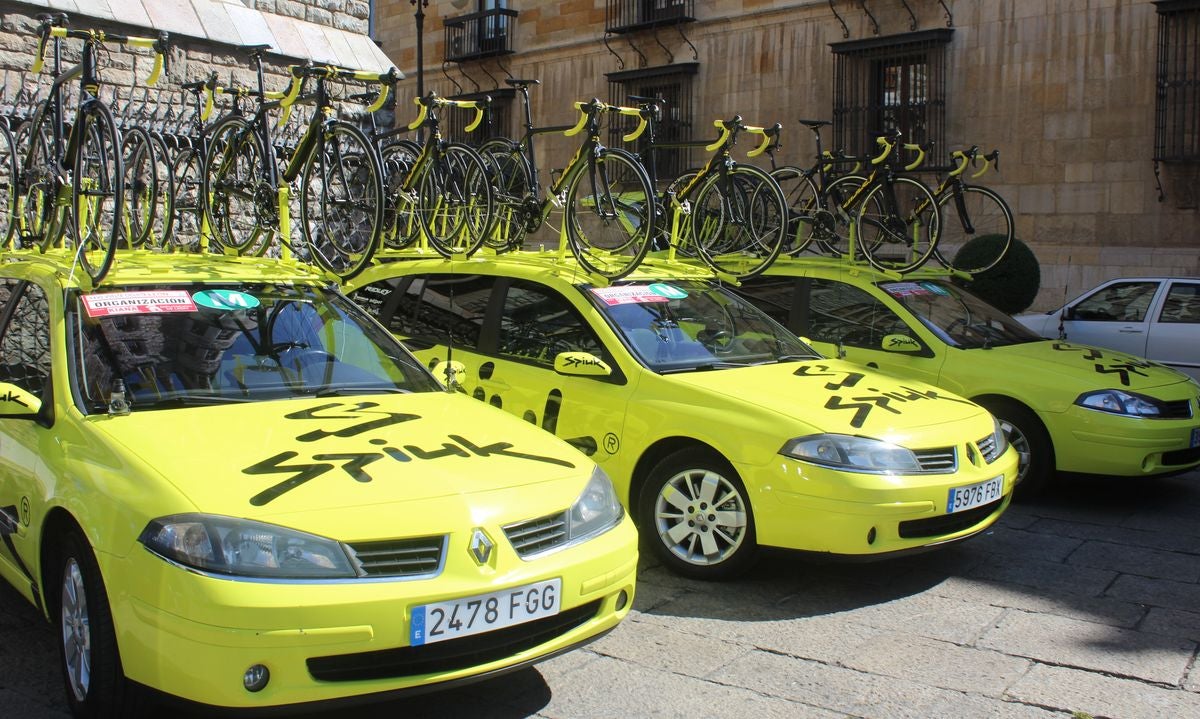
x,y
196,344
958,317
680,326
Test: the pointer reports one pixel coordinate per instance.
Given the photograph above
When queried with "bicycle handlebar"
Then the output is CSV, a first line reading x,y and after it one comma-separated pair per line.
x,y
992,159
887,146
55,26
586,109
433,100
768,136
920,150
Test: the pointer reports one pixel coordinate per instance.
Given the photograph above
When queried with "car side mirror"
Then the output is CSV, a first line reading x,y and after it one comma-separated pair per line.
x,y
450,374
1068,313
17,403
580,364
900,343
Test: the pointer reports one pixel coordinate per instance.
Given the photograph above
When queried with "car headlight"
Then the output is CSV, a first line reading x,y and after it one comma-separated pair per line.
x,y
596,510
854,454
244,548
1117,401
999,438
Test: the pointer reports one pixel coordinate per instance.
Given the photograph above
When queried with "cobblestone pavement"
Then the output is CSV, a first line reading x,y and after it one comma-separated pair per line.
x,y
1086,601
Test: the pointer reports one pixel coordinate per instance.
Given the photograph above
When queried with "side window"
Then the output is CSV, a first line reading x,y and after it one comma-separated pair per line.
x,y
538,323
839,312
25,342
429,310
1120,302
773,295
1182,305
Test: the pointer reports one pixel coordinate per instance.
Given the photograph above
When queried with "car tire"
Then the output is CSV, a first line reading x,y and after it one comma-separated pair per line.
x,y
94,681
686,531
1029,437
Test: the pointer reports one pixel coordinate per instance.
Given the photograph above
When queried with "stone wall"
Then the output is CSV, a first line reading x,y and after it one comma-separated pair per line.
x,y
1064,88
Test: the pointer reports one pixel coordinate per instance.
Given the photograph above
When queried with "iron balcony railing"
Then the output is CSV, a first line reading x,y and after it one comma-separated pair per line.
x,y
622,16
480,34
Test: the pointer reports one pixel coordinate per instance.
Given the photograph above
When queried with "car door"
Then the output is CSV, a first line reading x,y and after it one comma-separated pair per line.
x,y
1116,316
24,442
1174,335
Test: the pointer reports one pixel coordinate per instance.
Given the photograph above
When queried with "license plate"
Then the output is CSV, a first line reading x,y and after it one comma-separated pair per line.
x,y
1195,437
974,495
484,612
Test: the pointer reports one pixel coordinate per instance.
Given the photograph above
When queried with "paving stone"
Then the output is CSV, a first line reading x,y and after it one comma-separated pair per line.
x,y
1102,696
1118,535
670,649
1156,592
1104,610
858,693
932,616
937,663
1172,623
1087,645
1139,561
1024,545
1047,576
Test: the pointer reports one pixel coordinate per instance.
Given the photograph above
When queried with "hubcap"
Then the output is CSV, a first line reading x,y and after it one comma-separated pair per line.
x,y
1020,443
76,631
700,517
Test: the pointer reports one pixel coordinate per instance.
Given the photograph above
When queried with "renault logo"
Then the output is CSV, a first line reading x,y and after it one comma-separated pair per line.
x,y
481,546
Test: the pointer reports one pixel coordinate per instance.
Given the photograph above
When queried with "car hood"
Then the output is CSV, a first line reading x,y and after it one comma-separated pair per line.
x,y
837,396
1090,367
383,456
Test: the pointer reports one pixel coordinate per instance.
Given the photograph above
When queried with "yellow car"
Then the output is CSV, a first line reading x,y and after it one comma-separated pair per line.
x,y
222,481
1067,407
721,430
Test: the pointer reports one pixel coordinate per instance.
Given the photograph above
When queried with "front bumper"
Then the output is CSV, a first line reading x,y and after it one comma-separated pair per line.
x,y
803,507
194,636
1091,442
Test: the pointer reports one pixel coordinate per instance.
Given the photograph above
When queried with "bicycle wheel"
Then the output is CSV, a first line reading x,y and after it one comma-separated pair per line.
x,y
239,204
141,187
39,215
900,234
163,225
834,211
977,212
511,183
187,205
8,177
455,205
98,192
400,225
608,206
800,194
739,221
341,205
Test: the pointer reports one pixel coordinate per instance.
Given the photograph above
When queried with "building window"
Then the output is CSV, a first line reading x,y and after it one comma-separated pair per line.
x,y
891,83
487,31
673,131
621,16
1177,102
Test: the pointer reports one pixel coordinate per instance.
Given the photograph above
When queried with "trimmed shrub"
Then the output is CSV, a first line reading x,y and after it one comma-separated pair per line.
x,y
1013,284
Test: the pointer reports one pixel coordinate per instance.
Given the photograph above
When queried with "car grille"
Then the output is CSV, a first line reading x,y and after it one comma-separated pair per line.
x,y
1182,456
417,557
537,535
452,654
946,523
1177,409
988,448
942,459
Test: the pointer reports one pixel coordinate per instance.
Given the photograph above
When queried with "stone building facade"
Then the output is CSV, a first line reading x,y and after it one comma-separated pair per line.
x,y
1066,89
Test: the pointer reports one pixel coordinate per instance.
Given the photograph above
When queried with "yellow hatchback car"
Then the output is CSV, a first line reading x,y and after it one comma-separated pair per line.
x,y
222,481
1067,407
722,430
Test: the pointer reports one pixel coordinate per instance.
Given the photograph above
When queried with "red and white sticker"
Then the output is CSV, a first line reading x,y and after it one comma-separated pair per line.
x,y
629,295
138,303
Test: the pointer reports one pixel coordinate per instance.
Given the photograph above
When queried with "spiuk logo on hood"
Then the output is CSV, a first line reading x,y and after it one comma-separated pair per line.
x,y
863,404
1120,365
359,419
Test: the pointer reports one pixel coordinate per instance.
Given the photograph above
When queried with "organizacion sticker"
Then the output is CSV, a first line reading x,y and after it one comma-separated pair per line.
x,y
137,303
638,294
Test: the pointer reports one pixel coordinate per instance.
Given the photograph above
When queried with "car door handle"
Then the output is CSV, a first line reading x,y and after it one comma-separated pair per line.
x,y
1130,331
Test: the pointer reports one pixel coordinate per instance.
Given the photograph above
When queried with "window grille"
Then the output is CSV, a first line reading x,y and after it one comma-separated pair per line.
x,y
482,34
1177,101
622,16
886,83
673,83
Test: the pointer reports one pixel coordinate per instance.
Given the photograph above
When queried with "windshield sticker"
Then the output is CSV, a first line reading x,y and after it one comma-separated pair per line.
x,y
225,300
862,404
630,295
136,303
905,289
1122,365
670,291
345,420
936,289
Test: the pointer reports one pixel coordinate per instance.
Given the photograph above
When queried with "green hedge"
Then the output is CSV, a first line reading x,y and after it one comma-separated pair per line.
x,y
1011,285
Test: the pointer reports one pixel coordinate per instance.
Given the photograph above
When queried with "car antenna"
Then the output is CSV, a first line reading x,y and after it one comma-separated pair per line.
x,y
451,378
1062,330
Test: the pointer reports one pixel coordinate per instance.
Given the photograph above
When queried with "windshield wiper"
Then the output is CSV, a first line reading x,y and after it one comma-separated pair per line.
x,y
705,367
350,391
190,400
792,358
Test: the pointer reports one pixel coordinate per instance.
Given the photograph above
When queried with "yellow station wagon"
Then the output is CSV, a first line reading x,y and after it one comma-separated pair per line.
x,y
1066,406
222,481
722,430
